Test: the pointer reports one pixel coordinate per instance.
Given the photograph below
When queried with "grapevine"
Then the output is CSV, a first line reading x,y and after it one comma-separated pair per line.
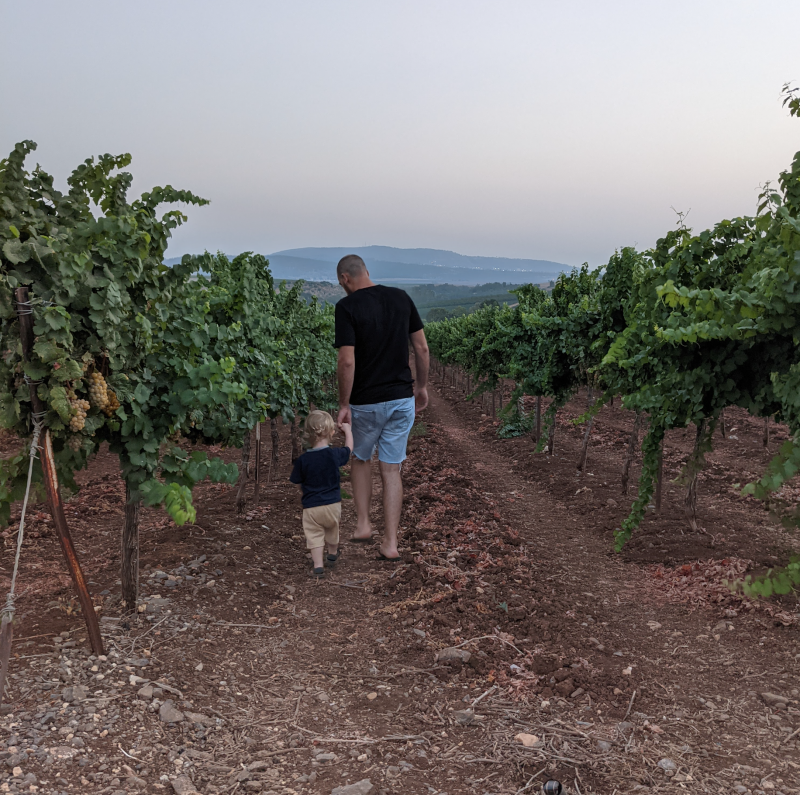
x,y
700,322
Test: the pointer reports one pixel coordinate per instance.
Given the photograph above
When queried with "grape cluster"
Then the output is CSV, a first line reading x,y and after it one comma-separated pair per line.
x,y
74,443
113,403
98,390
78,409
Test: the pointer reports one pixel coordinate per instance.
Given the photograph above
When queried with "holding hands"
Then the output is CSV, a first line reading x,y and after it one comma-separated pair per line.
x,y
346,429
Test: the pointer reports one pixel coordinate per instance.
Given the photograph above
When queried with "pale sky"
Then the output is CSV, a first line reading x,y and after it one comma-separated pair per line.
x,y
514,128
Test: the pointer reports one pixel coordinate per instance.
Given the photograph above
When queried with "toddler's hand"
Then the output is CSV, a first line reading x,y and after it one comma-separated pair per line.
x,y
345,426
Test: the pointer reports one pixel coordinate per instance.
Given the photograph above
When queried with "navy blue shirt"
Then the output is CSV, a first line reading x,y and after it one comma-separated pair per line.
x,y
317,471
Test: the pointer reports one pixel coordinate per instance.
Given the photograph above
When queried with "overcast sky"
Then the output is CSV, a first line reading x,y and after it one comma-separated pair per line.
x,y
512,128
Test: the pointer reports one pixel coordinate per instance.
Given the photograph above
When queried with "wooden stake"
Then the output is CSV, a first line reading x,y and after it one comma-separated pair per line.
x,y
659,477
694,466
538,418
632,442
130,549
241,495
551,441
257,487
53,490
294,433
273,427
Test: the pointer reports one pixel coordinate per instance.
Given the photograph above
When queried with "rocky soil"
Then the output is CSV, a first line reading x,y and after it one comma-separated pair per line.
x,y
509,647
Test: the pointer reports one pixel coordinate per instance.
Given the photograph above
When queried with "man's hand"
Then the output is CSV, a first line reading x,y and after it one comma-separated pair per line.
x,y
420,398
344,417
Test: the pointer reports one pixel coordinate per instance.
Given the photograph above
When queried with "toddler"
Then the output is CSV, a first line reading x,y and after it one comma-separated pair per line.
x,y
317,472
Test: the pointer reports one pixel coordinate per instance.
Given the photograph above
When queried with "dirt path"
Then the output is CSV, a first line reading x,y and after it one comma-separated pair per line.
x,y
241,674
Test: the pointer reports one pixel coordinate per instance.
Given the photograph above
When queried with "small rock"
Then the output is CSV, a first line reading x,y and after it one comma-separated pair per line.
x,y
259,765
327,757
722,626
183,786
145,692
139,662
452,653
323,697
604,746
528,740
198,717
372,696
578,692
392,771
74,693
627,671
772,699
169,713
420,632
611,503
63,752
667,765
363,787
463,716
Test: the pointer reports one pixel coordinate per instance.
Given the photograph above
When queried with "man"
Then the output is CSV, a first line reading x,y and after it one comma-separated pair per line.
x,y
377,394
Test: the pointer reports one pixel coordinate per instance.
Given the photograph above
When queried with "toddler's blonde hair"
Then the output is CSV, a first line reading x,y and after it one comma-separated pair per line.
x,y
319,425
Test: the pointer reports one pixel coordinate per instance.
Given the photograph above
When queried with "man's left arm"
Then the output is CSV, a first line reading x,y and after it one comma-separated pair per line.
x,y
422,361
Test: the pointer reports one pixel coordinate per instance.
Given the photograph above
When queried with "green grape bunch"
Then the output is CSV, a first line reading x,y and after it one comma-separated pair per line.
x,y
78,409
98,391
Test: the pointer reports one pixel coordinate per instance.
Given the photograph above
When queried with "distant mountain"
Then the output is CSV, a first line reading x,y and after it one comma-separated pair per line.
x,y
411,266
414,266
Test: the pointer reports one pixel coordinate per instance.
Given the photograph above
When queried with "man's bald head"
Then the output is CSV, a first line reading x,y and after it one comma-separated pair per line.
x,y
352,265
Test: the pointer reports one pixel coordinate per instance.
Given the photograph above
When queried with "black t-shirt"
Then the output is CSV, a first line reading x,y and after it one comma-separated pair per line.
x,y
377,322
318,473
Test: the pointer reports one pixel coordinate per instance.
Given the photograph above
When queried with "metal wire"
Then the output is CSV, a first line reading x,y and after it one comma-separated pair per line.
x,y
7,612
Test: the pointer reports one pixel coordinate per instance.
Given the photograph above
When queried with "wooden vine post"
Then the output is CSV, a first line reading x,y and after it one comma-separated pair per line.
x,y
660,477
51,485
273,429
241,496
632,442
296,437
587,433
693,467
538,417
130,549
257,487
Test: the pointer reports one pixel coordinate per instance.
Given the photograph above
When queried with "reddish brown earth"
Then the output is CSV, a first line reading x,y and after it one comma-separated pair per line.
x,y
615,662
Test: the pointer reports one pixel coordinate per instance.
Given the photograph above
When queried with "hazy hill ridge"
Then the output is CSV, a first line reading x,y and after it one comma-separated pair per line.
x,y
412,265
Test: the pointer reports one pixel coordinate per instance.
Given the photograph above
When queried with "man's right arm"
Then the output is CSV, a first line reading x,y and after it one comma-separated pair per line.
x,y
421,365
345,370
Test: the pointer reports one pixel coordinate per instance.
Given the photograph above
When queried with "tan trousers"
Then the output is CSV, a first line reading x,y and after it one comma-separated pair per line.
x,y
321,525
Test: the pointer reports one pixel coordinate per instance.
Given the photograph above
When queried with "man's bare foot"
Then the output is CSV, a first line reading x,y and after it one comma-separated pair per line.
x,y
388,553
363,532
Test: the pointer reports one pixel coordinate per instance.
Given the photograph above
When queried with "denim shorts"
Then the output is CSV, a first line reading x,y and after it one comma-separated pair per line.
x,y
384,426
